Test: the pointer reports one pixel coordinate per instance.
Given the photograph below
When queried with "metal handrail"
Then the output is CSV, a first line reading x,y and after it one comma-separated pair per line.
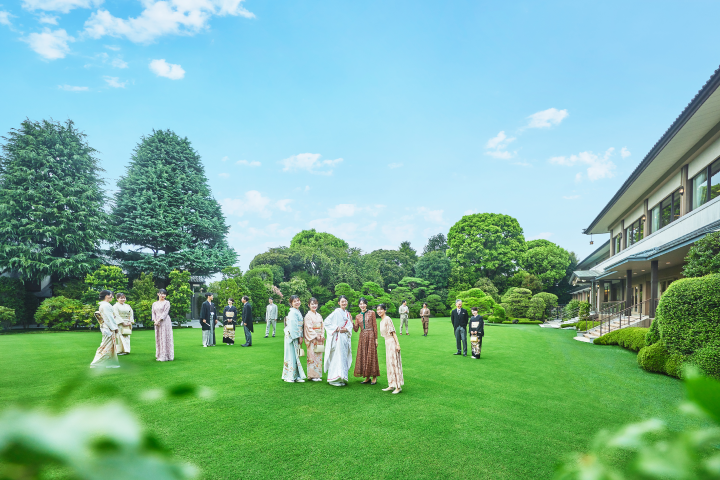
x,y
628,315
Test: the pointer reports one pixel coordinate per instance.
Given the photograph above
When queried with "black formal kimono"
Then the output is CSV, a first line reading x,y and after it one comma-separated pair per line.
x,y
229,320
477,329
208,316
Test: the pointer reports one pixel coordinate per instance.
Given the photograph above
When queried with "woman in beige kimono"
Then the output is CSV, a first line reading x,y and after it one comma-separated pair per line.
x,y
393,362
164,347
106,354
124,317
314,341
425,316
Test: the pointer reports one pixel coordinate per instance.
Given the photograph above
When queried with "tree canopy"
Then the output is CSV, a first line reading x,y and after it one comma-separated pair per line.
x,y
547,261
434,267
51,202
165,214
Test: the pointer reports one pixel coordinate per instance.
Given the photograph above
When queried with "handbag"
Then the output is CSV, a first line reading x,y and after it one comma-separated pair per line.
x,y
126,330
319,348
301,353
473,338
230,327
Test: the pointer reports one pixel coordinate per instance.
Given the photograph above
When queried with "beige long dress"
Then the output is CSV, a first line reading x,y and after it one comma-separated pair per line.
x,y
314,335
164,347
124,316
393,361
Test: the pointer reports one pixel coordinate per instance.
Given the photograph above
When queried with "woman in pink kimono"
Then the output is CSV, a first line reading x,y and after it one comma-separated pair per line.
x,y
164,348
314,341
393,362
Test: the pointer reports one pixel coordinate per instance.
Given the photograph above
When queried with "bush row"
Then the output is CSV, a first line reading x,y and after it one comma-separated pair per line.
x,y
632,338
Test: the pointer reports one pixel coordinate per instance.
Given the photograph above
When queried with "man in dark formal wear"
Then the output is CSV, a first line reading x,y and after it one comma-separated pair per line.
x,y
459,319
247,321
208,319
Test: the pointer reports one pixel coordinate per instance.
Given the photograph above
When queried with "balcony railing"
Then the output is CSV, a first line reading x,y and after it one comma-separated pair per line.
x,y
619,316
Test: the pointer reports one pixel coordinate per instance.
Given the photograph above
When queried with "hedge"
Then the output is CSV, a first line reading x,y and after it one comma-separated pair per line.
x,y
584,326
632,338
686,327
522,321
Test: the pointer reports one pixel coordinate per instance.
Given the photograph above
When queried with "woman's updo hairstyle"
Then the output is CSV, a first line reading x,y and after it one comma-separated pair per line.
x,y
163,291
120,295
105,293
343,296
383,306
361,301
293,298
313,300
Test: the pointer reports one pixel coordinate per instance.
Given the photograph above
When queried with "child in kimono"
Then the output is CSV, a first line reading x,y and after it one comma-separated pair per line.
x,y
477,330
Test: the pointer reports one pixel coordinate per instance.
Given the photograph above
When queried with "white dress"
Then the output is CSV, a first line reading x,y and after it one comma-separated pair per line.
x,y
338,357
124,316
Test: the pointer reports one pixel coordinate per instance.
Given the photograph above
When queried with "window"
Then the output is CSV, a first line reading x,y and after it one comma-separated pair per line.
x,y
635,232
704,183
618,243
666,211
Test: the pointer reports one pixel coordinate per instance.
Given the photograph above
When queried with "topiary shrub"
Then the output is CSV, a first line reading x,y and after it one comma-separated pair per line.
x,y
550,300
687,322
518,301
475,297
653,358
536,309
7,317
499,312
632,338
571,309
57,313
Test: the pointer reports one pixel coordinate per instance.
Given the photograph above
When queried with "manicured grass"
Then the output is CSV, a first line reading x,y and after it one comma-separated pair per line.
x,y
513,414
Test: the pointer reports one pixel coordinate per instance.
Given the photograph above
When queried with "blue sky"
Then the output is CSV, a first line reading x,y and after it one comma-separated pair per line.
x,y
376,121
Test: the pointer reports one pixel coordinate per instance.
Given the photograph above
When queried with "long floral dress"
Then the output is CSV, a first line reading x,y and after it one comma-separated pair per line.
x,y
393,361
366,360
125,317
314,336
164,348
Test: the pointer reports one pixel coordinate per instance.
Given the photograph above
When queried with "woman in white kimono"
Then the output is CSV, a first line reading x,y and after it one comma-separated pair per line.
x,y
292,368
125,317
338,357
106,355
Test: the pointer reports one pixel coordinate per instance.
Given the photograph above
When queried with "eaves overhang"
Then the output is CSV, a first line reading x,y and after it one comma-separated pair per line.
x,y
698,123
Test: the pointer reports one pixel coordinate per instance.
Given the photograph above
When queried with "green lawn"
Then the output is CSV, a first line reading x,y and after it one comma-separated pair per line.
x,y
512,414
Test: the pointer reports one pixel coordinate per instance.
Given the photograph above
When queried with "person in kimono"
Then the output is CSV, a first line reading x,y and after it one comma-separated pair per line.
x,y
125,317
294,334
106,354
477,331
393,361
338,357
164,346
404,315
247,322
229,322
366,359
425,317
208,320
314,341
271,314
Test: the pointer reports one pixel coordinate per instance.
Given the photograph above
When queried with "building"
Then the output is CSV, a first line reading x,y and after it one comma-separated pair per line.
x,y
668,203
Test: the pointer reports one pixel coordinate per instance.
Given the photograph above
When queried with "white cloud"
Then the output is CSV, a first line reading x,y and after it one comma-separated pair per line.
x,y
431,215
114,82
309,162
624,153
284,205
571,197
394,165
50,44
224,175
343,210
543,235
307,188
496,146
547,118
243,223
5,18
71,88
578,177
114,48
598,166
398,233
49,19
224,159
63,6
163,17
252,202
119,63
245,163
170,70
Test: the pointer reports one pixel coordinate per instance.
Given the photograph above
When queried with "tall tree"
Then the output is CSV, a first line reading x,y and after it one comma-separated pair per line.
x,y
392,264
486,245
436,243
547,261
434,267
408,251
165,213
51,202
313,238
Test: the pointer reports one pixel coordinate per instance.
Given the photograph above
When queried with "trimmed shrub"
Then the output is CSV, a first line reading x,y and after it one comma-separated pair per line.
x,y
571,309
57,313
653,358
550,300
536,308
632,338
687,322
522,321
7,317
475,297
584,326
518,301
673,365
584,312
499,312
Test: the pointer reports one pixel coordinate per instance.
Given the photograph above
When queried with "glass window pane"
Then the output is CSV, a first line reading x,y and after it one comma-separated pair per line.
x,y
699,189
655,218
676,206
628,236
665,211
641,230
715,180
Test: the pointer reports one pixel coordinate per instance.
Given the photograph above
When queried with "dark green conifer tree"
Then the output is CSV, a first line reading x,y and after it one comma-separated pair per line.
x,y
51,202
165,215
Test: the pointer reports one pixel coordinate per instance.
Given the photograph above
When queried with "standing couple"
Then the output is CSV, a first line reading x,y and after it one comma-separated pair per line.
x,y
208,321
459,319
339,326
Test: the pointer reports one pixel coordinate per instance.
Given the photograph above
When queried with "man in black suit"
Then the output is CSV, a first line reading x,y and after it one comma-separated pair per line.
x,y
208,319
247,321
459,319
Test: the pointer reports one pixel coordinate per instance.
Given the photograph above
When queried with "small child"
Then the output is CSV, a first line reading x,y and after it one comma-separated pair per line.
x,y
477,330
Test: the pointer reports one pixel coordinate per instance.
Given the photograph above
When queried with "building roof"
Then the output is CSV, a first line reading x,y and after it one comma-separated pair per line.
x,y
600,254
691,130
583,276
